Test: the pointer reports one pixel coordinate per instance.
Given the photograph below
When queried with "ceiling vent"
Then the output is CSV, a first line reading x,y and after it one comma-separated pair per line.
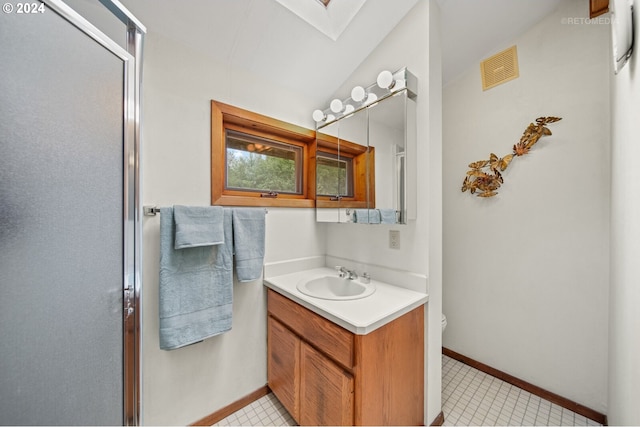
x,y
500,68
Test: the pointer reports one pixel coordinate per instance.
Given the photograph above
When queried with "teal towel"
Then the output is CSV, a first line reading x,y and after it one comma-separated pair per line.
x,y
248,242
196,286
388,216
366,216
198,226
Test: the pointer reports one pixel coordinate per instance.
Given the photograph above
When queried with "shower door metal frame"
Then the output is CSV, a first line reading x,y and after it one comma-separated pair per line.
x,y
132,225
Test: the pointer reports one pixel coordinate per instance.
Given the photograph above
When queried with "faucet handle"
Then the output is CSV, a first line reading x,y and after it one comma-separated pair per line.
x,y
341,271
365,278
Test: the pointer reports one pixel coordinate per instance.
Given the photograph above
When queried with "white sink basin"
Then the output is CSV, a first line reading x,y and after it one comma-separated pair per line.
x,y
335,288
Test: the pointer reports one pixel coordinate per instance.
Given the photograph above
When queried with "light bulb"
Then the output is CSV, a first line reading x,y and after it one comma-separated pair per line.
x,y
372,98
336,105
318,115
357,94
385,80
330,118
349,109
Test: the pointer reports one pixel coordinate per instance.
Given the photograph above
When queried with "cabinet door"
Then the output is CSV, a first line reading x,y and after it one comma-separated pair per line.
x,y
326,390
283,366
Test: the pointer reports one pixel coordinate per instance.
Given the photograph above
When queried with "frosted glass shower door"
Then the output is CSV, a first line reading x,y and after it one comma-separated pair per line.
x,y
62,240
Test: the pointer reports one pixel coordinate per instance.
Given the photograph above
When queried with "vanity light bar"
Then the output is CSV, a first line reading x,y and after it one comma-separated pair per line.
x,y
387,84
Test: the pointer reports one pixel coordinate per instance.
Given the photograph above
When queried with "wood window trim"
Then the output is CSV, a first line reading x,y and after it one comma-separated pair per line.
x,y
598,7
327,143
224,116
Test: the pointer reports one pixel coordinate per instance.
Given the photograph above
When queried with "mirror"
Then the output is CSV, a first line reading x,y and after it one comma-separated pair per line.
x,y
365,164
342,163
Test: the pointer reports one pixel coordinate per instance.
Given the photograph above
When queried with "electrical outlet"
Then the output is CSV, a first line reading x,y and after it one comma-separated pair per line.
x,y
394,239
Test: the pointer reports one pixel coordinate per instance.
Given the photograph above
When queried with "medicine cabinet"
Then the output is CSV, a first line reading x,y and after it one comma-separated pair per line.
x,y
366,158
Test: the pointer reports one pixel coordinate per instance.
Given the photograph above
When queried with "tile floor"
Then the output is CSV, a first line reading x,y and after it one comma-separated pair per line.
x,y
266,411
469,397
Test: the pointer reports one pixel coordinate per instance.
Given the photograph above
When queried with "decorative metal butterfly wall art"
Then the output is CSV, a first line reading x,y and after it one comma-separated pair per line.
x,y
484,176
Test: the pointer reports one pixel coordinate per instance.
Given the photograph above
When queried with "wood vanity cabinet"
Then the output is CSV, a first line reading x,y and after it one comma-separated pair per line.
x,y
326,375
326,390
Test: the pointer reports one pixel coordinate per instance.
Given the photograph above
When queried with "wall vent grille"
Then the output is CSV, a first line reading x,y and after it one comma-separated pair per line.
x,y
500,68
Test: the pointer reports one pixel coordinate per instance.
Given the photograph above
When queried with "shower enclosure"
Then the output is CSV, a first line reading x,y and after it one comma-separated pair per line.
x,y
69,219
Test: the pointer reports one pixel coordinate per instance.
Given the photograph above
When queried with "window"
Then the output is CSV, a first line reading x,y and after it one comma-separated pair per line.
x,y
260,161
259,164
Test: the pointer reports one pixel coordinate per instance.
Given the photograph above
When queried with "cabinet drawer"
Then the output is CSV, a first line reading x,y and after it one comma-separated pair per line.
x,y
329,338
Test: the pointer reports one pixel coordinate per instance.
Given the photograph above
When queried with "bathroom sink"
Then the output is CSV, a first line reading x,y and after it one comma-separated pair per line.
x,y
335,288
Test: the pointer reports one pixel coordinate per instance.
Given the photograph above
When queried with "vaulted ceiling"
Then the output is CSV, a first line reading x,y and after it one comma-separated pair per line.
x,y
266,38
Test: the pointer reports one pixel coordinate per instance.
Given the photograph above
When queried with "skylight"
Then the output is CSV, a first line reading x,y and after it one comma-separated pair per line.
x,y
330,21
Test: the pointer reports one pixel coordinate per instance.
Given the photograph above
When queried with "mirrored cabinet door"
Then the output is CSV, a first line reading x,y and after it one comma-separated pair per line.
x,y
343,181
366,164
387,134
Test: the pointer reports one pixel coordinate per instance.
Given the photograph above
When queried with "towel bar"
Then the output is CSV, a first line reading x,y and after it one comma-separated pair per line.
x,y
150,210
154,210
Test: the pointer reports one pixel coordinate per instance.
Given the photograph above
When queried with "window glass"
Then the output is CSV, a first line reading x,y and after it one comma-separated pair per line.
x,y
260,164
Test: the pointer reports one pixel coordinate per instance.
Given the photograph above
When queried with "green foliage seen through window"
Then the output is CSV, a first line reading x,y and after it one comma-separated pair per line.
x,y
256,164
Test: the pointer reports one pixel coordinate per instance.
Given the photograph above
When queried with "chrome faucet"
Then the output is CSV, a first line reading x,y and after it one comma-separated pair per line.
x,y
343,272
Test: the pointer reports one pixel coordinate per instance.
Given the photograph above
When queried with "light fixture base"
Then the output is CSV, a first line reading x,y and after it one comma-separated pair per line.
x,y
387,84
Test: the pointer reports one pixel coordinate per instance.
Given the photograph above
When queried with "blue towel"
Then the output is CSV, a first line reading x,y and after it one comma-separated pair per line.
x,y
248,242
366,216
198,226
196,287
388,216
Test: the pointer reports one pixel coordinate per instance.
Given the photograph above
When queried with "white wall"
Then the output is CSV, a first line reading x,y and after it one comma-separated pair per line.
x,y
624,316
414,43
526,273
184,385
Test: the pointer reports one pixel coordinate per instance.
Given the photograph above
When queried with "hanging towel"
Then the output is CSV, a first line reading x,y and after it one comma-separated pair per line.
x,y
198,226
248,242
388,216
196,286
366,216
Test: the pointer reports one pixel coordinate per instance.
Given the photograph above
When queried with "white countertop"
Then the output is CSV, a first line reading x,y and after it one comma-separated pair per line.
x,y
359,316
